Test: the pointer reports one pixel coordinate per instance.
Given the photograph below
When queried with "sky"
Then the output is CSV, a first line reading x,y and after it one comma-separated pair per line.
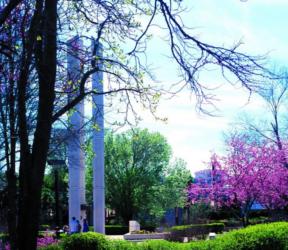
x,y
261,25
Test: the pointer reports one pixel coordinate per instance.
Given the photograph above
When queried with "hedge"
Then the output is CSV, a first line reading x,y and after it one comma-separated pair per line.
x,y
52,247
260,237
113,229
177,233
273,236
116,229
120,230
85,241
44,227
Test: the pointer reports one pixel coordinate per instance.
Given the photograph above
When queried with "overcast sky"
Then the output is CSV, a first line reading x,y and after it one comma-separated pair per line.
x,y
262,26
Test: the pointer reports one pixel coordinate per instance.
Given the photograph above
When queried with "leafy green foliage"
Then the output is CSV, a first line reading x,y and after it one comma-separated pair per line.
x,y
139,179
85,241
163,245
273,236
199,212
52,247
123,245
116,229
48,194
135,162
113,229
260,237
178,232
171,192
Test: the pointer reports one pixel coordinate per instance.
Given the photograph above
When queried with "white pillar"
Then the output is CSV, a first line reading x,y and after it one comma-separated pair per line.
x,y
98,147
75,154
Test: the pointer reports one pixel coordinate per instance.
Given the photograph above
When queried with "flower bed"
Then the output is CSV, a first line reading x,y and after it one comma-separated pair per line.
x,y
41,242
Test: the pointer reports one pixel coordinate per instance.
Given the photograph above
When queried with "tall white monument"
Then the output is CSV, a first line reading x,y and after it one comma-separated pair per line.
x,y
98,145
75,154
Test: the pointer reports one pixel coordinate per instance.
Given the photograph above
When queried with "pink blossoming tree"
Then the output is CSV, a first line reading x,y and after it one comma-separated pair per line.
x,y
250,172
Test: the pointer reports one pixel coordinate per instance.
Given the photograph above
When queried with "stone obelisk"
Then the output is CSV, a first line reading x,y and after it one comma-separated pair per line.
x,y
98,145
75,153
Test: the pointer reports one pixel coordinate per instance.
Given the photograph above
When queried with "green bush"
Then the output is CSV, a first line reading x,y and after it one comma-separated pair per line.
x,y
195,230
44,227
113,229
258,220
273,236
163,245
116,229
85,241
4,238
123,245
51,247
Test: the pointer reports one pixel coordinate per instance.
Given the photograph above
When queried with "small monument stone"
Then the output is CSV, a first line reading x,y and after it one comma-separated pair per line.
x,y
212,236
133,226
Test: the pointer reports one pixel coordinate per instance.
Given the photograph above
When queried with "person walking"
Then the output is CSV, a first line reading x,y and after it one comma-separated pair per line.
x,y
73,226
78,226
85,226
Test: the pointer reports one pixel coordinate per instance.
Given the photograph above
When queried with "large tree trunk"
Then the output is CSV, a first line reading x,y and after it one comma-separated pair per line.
x,y
11,173
12,205
33,161
29,205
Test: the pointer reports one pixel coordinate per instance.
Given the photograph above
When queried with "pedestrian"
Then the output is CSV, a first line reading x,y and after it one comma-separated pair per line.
x,y
85,226
73,226
78,226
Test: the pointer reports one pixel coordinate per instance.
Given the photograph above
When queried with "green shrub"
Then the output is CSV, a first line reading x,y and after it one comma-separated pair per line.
x,y
113,229
44,227
4,239
163,245
195,230
116,229
258,220
123,245
148,228
272,236
85,241
51,247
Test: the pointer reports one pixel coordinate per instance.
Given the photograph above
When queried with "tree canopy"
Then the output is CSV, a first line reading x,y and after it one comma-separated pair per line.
x,y
135,162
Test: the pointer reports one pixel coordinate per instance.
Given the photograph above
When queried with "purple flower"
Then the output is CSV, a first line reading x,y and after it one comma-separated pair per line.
x,y
41,242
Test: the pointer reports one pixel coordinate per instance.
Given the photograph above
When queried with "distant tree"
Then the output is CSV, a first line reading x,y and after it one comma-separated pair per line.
x,y
135,162
89,155
54,196
169,191
172,191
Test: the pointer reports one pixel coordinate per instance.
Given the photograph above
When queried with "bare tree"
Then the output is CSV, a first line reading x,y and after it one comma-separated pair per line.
x,y
273,124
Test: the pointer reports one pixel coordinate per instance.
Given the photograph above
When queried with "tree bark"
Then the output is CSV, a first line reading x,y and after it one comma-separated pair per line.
x,y
33,161
5,13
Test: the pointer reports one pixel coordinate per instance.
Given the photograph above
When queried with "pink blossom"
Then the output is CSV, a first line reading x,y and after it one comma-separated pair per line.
x,y
250,172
